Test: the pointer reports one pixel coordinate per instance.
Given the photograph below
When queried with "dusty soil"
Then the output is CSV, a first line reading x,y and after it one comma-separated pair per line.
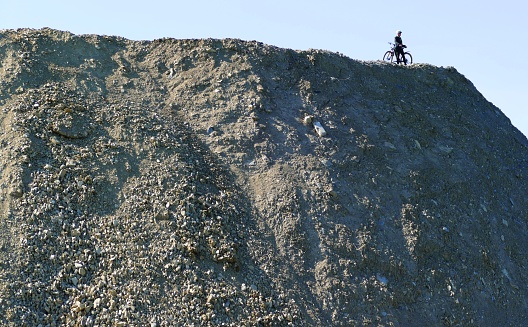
x,y
183,183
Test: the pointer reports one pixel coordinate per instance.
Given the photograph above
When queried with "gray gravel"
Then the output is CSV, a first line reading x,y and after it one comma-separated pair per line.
x,y
233,183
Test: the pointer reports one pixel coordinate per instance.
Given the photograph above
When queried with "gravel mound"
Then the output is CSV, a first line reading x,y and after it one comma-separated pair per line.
x,y
232,183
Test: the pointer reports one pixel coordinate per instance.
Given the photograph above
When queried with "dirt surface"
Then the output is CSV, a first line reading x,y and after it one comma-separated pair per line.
x,y
233,183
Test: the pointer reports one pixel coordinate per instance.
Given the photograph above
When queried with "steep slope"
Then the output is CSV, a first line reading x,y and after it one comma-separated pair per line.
x,y
182,182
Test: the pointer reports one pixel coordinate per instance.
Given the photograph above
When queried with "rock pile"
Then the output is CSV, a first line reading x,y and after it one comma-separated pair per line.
x,y
232,183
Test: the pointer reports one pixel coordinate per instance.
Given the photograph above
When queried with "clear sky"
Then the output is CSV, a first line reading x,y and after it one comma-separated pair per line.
x,y
483,39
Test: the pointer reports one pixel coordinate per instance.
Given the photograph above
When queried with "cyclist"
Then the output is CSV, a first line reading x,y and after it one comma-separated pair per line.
x,y
398,48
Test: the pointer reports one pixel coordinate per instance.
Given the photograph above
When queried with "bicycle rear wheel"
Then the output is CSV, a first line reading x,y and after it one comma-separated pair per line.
x,y
388,57
408,57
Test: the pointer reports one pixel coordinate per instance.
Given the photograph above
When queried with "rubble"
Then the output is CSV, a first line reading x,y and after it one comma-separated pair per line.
x,y
174,183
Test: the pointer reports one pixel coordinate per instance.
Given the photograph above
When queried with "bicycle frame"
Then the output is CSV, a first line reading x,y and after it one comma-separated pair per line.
x,y
391,55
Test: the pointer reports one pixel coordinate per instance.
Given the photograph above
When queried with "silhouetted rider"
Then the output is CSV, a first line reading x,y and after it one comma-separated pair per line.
x,y
398,48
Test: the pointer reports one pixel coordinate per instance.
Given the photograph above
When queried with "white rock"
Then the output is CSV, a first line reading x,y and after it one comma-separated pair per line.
x,y
319,129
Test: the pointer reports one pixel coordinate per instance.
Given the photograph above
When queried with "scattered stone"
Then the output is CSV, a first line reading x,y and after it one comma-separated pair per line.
x,y
389,145
382,279
163,214
446,149
308,119
16,192
319,129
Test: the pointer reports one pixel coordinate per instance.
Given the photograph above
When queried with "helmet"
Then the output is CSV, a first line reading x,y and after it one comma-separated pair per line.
x,y
398,32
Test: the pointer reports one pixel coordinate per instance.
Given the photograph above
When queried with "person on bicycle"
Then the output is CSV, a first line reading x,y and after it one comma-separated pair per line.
x,y
398,48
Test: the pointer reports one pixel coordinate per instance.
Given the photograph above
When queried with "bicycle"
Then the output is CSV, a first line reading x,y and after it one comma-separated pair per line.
x,y
390,56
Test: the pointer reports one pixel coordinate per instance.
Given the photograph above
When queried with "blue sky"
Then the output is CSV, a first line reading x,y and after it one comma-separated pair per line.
x,y
484,40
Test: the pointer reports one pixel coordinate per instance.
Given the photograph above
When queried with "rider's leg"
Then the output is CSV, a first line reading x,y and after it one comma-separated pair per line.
x,y
399,55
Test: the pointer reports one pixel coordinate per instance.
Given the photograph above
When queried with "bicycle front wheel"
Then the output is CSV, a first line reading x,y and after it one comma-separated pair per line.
x,y
387,56
408,57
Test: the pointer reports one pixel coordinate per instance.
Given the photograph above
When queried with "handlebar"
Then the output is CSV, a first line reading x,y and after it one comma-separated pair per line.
x,y
393,45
